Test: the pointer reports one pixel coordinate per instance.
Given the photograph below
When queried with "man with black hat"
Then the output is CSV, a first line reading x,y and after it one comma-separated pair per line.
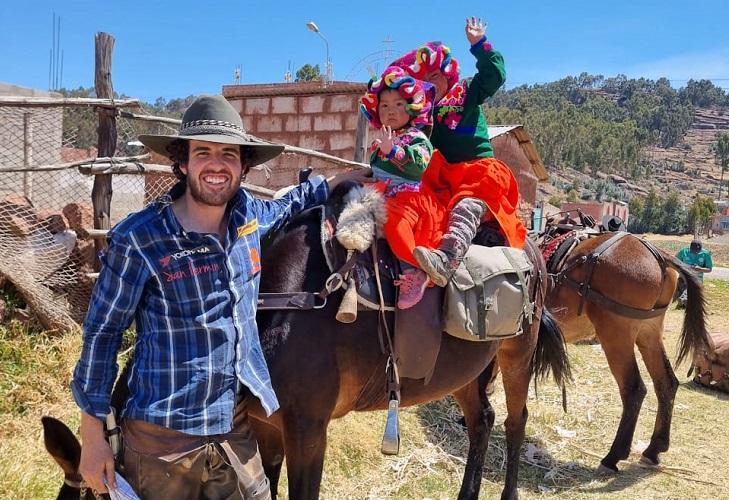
x,y
186,271
698,259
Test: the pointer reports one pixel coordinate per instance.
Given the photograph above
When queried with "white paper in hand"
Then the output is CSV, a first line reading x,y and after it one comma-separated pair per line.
x,y
123,491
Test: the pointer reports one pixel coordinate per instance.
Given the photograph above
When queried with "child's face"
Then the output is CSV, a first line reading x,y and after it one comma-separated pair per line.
x,y
440,82
392,109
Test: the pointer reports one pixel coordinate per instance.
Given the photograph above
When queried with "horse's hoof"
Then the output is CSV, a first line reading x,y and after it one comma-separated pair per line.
x,y
649,462
604,470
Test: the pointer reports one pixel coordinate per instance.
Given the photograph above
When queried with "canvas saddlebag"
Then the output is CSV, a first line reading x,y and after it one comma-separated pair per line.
x,y
710,368
488,296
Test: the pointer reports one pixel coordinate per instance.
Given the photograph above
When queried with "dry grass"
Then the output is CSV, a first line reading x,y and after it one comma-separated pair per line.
x,y
562,449
559,459
718,246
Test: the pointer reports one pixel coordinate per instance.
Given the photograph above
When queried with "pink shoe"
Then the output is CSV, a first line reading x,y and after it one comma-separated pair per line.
x,y
412,283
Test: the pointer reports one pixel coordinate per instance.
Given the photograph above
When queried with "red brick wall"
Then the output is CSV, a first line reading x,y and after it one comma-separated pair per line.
x,y
325,122
507,149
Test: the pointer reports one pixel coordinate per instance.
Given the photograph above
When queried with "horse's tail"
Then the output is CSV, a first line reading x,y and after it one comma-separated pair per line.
x,y
551,352
694,335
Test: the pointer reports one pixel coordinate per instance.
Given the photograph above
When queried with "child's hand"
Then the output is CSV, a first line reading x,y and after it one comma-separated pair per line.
x,y
384,141
475,30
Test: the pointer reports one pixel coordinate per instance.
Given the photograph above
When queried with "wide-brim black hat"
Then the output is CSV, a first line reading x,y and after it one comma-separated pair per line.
x,y
211,118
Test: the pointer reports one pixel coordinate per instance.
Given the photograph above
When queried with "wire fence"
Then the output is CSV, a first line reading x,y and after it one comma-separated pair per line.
x,y
47,249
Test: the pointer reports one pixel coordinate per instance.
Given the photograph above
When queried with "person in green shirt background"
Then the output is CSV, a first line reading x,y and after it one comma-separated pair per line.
x,y
699,259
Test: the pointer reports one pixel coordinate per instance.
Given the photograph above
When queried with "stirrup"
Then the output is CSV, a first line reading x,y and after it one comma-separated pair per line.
x,y
391,439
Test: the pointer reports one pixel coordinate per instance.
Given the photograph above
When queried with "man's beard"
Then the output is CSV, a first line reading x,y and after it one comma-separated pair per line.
x,y
212,198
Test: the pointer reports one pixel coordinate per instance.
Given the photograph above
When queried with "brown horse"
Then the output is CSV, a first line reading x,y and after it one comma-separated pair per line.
x,y
323,369
618,287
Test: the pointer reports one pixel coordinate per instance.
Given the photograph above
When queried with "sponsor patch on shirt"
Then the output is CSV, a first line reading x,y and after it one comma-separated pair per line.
x,y
255,261
249,228
203,249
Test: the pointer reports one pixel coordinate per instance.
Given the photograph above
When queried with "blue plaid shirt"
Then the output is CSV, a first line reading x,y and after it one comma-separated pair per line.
x,y
193,301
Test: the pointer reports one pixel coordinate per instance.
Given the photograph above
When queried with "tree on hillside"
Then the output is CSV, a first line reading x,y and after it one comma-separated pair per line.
x,y
703,94
80,123
673,215
700,214
721,155
636,209
308,73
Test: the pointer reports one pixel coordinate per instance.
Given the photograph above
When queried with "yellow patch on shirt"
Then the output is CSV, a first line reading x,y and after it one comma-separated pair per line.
x,y
249,228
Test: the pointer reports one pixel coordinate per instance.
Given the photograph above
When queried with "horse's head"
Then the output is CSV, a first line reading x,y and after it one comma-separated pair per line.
x,y
66,451
294,260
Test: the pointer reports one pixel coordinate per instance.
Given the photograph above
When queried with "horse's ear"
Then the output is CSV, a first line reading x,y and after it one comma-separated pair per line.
x,y
61,444
342,194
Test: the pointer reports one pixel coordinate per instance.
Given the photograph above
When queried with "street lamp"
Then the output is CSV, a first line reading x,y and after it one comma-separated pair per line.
x,y
313,27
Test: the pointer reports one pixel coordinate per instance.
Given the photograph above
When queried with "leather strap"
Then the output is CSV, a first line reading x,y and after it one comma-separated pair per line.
x,y
585,292
306,300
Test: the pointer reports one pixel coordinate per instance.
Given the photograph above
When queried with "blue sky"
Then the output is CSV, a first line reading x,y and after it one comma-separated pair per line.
x,y
175,49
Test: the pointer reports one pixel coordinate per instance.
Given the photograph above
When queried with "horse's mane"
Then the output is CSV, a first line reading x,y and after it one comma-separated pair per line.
x,y
286,252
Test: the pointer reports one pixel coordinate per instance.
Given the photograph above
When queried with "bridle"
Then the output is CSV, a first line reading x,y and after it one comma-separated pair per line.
x,y
82,487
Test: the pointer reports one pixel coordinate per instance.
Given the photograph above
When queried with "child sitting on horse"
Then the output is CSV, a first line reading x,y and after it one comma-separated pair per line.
x,y
400,107
468,182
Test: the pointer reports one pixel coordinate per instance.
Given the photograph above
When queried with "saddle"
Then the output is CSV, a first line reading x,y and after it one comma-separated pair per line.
x,y
417,330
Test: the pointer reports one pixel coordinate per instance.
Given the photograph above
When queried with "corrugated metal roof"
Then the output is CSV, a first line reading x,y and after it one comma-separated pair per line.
x,y
525,141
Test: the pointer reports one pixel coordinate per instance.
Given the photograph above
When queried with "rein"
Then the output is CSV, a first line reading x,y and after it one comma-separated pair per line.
x,y
586,292
83,488
306,300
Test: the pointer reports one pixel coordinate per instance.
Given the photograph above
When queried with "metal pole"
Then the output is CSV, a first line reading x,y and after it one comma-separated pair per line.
x,y
328,68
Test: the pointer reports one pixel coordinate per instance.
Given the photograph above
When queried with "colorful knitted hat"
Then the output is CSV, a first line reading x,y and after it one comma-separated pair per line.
x,y
419,95
429,57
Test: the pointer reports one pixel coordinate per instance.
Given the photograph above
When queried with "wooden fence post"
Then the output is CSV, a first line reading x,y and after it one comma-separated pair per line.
x,y
102,191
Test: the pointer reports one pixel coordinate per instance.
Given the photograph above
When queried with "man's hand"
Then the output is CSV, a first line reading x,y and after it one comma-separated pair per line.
x,y
97,460
475,30
361,175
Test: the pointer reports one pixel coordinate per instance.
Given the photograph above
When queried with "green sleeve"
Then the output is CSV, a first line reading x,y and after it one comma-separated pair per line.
x,y
490,75
408,159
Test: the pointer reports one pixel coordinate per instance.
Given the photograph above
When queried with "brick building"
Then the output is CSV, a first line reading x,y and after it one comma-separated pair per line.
x,y
598,210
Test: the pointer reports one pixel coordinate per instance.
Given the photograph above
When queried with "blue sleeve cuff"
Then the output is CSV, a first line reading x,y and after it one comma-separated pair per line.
x,y
99,411
478,44
392,152
320,188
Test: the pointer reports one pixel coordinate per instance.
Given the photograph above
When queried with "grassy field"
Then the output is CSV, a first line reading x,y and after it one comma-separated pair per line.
x,y
718,247
559,458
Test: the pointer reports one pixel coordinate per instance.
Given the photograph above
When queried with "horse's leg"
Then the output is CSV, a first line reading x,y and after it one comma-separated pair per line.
x,y
270,445
618,340
479,416
305,442
515,359
665,385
